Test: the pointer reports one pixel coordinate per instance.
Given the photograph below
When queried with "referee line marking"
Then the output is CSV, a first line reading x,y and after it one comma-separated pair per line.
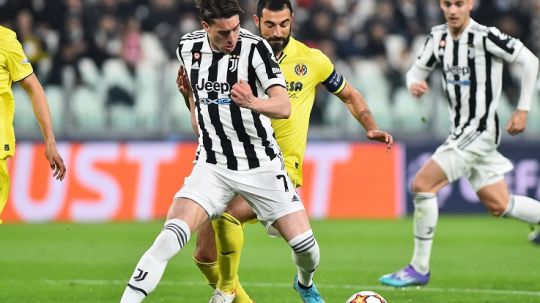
x,y
528,293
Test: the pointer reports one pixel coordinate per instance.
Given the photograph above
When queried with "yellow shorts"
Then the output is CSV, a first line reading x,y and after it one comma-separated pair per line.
x,y
4,185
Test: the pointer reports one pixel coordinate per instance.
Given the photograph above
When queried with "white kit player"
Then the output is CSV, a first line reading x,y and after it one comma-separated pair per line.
x,y
471,57
237,85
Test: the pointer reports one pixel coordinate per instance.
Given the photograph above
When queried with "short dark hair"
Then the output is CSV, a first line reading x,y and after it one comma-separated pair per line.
x,y
273,5
216,9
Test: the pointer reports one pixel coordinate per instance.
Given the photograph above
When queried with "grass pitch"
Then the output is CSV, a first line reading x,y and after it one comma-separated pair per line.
x,y
475,259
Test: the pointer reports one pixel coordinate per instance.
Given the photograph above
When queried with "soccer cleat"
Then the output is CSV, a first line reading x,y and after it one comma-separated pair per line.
x,y
308,294
534,235
221,297
404,277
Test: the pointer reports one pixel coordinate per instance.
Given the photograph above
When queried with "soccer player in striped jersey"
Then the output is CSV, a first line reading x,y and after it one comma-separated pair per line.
x,y
471,57
15,67
304,69
236,87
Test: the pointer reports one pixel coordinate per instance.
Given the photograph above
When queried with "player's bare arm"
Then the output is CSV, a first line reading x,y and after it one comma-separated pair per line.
x,y
277,106
182,82
41,110
358,107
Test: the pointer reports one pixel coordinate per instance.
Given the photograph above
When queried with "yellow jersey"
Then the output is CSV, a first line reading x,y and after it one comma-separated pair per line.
x,y
14,66
304,68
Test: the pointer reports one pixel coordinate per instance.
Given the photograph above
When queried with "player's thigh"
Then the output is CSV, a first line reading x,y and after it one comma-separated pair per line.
x,y
189,211
208,186
270,193
240,209
430,178
447,164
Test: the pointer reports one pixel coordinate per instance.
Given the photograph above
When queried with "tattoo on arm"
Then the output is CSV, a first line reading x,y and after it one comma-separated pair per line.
x,y
366,113
366,119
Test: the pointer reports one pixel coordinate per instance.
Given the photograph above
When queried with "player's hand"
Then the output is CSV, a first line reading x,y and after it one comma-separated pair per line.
x,y
419,88
242,95
381,136
517,122
55,162
182,82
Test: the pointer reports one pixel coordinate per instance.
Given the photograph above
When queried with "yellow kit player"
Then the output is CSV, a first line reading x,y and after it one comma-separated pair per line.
x,y
15,67
304,69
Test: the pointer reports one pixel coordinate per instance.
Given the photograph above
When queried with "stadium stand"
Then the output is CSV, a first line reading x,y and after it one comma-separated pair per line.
x,y
110,65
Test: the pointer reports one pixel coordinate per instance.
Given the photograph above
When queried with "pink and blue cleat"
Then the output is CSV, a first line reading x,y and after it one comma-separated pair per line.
x,y
405,277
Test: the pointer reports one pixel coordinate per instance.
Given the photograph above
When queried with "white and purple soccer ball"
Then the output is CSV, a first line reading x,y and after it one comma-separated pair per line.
x,y
366,296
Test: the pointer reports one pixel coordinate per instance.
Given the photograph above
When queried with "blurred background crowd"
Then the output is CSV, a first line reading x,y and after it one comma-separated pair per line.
x,y
109,66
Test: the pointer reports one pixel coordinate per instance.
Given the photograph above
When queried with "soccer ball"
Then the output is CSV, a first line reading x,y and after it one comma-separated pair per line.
x,y
366,296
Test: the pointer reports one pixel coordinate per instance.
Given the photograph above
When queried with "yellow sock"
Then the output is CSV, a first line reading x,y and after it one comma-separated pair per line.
x,y
4,186
229,241
210,271
241,294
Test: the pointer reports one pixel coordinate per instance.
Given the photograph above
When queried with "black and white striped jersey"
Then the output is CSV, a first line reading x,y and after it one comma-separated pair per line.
x,y
472,77
231,136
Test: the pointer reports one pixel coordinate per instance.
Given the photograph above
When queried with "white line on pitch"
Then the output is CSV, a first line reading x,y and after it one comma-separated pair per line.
x,y
321,285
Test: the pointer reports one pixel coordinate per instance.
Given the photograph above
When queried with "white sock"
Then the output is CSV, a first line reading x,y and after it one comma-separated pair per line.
x,y
306,255
148,272
426,214
523,208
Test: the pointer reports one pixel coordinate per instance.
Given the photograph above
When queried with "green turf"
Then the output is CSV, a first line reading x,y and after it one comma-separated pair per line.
x,y
475,259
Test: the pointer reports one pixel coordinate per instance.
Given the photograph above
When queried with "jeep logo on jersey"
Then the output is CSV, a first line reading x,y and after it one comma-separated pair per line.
x,y
456,70
300,69
213,86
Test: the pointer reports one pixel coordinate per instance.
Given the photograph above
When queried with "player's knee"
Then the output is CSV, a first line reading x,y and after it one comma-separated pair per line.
x,y
203,254
496,208
306,253
205,248
420,185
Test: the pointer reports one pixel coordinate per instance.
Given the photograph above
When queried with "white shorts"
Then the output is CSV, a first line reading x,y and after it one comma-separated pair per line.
x,y
480,169
267,189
